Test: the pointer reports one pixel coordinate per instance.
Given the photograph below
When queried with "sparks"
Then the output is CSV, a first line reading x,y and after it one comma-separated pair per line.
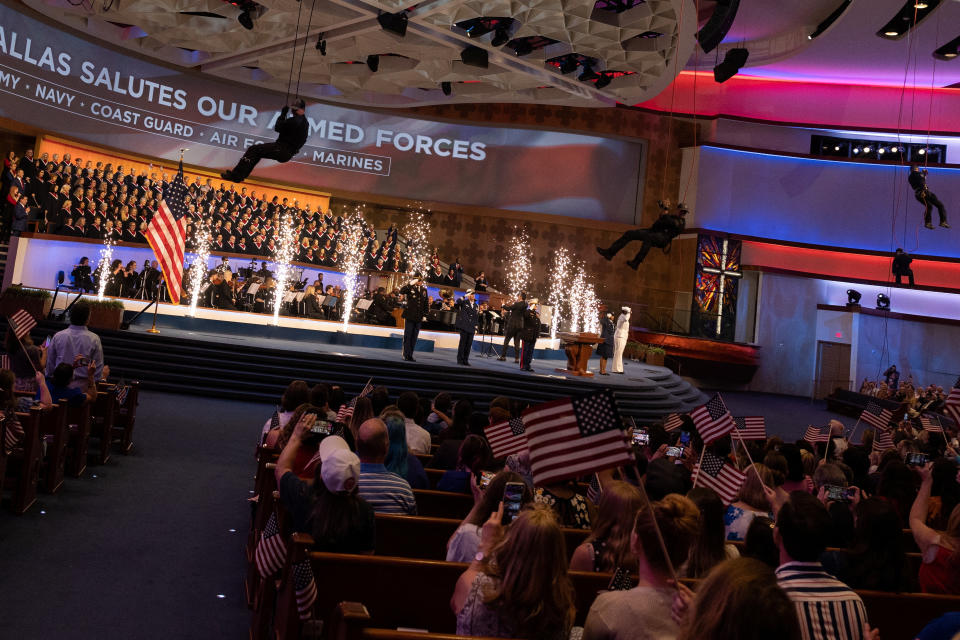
x,y
518,270
417,233
198,270
106,257
584,304
559,288
286,246
354,246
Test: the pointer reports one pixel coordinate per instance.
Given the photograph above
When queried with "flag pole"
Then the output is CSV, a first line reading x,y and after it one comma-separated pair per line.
x,y
854,430
156,307
752,463
656,525
700,462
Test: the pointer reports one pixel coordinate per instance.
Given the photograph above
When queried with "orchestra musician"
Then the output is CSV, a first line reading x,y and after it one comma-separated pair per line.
x,y
381,307
311,303
81,275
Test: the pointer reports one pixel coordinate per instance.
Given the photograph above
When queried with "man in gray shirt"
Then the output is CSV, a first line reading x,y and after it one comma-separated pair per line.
x,y
76,340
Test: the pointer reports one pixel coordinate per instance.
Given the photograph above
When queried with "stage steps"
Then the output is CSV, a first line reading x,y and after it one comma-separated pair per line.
x,y
252,373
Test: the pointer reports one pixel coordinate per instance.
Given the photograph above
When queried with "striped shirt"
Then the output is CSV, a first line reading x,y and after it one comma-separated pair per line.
x,y
827,608
385,491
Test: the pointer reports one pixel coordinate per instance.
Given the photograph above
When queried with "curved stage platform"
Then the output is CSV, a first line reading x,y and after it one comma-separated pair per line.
x,y
237,355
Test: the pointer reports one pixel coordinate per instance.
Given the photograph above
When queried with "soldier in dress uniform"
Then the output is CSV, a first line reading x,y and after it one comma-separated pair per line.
x,y
467,313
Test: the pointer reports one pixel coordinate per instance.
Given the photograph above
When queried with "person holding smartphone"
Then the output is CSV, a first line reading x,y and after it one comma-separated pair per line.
x,y
465,541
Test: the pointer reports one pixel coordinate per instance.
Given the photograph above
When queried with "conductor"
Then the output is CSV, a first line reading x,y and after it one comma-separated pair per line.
x,y
293,132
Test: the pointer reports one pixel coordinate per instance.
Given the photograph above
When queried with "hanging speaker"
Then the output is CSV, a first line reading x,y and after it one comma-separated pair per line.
x,y
713,33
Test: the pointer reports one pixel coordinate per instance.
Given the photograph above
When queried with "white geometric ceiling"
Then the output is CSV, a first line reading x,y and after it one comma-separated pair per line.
x,y
428,55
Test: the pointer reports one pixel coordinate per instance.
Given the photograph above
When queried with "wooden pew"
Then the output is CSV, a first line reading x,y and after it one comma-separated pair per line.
x,y
102,421
126,417
24,463
426,538
352,621
433,476
442,504
424,458
903,615
78,429
379,581
53,431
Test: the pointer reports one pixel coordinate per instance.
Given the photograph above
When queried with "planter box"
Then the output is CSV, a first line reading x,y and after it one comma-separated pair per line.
x,y
35,306
105,318
656,359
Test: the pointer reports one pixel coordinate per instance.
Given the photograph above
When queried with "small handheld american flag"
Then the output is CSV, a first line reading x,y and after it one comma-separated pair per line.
x,y
951,406
718,474
22,323
751,427
875,415
506,437
673,422
345,412
882,440
814,435
712,420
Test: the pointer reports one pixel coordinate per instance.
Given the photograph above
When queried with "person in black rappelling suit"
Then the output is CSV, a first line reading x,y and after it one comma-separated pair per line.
x,y
293,129
918,182
660,234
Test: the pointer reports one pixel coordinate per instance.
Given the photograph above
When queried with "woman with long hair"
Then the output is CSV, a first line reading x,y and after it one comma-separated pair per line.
x,y
362,411
519,588
644,612
740,600
607,548
399,459
11,429
277,439
460,423
472,459
940,570
751,502
465,541
710,548
876,559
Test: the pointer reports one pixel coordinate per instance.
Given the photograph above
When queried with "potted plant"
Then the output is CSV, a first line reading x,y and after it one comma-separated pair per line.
x,y
36,302
105,314
633,350
655,355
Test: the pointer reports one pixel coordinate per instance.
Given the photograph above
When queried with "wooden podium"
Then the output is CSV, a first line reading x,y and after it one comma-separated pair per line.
x,y
579,347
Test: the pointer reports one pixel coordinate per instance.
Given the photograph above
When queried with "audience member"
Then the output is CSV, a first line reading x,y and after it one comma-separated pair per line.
x,y
465,541
645,611
59,386
472,460
76,346
760,543
439,417
826,607
518,586
296,394
940,569
399,460
26,359
10,426
876,559
418,438
710,547
751,502
608,547
571,508
362,411
385,491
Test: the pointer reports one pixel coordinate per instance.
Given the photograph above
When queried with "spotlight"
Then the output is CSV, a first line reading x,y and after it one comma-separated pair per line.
x,y
446,88
321,45
474,57
394,23
856,150
732,63
588,74
894,149
523,48
500,37
246,19
569,65
853,297
603,81
836,147
950,55
921,5
881,150
891,34
866,149
922,151
883,302
373,63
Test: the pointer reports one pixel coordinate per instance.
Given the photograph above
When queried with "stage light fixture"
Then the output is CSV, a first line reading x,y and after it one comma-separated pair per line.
x,y
856,150
246,19
475,57
833,17
836,147
881,150
853,297
446,87
395,23
588,74
866,149
569,65
733,61
373,62
500,37
321,45
922,151
603,81
891,34
523,48
883,302
921,5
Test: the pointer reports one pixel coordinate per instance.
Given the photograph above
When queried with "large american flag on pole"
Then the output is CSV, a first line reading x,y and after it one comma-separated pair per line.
x,y
713,420
751,427
952,405
506,437
167,234
574,436
22,323
875,415
345,412
718,474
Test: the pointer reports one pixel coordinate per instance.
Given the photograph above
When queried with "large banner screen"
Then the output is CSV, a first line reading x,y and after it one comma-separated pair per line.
x,y
67,85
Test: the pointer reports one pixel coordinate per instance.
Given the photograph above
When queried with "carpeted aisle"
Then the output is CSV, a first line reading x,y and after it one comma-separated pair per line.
x,y
141,547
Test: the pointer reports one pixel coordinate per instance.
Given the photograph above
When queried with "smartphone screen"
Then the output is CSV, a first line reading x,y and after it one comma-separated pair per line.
x,y
684,438
641,437
674,452
46,343
838,494
321,426
485,479
916,459
512,500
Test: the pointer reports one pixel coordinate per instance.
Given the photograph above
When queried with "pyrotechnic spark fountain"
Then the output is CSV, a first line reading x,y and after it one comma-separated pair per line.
x,y
559,273
198,271
577,287
286,245
417,233
354,245
518,269
591,309
106,257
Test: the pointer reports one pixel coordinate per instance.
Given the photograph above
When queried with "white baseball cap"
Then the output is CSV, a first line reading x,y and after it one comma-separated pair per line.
x,y
340,470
